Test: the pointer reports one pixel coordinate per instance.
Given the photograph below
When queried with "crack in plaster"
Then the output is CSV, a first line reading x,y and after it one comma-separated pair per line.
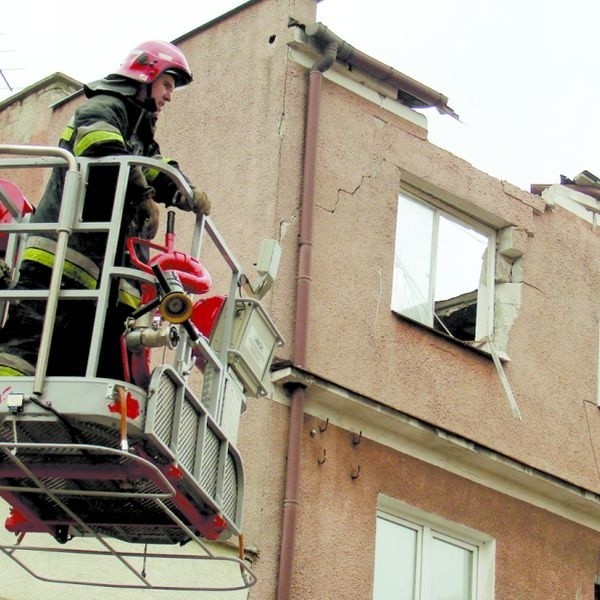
x,y
443,349
534,287
379,294
341,191
505,188
283,225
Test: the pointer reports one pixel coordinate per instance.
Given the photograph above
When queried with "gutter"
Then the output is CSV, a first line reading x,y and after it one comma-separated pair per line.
x,y
409,91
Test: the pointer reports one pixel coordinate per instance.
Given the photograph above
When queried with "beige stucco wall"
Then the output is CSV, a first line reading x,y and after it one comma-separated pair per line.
x,y
364,157
247,105
336,540
539,555
243,132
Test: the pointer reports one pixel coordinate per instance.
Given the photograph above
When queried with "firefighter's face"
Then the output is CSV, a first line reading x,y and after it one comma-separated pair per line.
x,y
162,90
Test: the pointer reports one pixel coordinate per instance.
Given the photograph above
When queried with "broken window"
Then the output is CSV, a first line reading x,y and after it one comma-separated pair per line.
x,y
443,269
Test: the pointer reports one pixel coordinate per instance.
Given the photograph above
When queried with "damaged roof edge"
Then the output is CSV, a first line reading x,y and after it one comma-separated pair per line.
x,y
589,190
410,91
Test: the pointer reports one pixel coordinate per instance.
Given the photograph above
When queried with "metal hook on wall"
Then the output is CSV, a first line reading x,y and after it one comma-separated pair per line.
x,y
356,440
323,427
355,472
324,458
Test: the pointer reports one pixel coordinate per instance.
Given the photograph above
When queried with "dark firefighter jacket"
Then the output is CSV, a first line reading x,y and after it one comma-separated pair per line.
x,y
110,122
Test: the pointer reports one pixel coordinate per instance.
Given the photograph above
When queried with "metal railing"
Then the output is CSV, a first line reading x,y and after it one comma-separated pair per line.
x,y
44,392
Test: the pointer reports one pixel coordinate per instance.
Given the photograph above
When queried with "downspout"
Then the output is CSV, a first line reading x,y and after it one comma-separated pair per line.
x,y
303,284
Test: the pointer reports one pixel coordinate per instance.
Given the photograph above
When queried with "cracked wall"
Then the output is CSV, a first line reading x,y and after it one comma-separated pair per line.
x,y
511,244
366,156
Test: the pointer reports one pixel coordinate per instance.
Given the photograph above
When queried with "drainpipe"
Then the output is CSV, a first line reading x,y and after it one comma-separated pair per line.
x,y
303,283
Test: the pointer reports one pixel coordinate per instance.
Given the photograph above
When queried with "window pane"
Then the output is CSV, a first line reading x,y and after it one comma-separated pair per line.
x,y
461,260
395,561
441,276
452,571
461,251
412,261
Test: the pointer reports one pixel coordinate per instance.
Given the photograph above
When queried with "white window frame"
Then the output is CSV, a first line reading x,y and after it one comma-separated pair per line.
x,y
485,296
429,526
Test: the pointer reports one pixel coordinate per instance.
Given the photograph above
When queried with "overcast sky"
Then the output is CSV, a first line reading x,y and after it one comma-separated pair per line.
x,y
522,74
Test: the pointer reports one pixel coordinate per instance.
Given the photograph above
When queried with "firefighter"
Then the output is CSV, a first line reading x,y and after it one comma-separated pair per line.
x,y
118,117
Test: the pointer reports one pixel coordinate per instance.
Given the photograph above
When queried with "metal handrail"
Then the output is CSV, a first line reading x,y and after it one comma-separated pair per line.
x,y
44,156
65,223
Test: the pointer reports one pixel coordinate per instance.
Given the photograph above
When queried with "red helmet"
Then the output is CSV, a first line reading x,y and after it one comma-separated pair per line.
x,y
148,60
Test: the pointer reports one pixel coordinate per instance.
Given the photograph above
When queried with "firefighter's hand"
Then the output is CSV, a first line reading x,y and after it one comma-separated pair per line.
x,y
147,218
198,202
201,203
5,275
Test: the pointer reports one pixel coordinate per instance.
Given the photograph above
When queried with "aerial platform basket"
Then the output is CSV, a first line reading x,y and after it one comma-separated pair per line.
x,y
150,463
68,477
69,448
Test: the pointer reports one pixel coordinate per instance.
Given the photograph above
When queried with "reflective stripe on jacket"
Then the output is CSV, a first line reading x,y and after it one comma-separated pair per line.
x,y
129,294
76,267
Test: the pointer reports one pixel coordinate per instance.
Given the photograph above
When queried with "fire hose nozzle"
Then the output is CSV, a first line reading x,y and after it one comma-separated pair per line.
x,y
176,306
